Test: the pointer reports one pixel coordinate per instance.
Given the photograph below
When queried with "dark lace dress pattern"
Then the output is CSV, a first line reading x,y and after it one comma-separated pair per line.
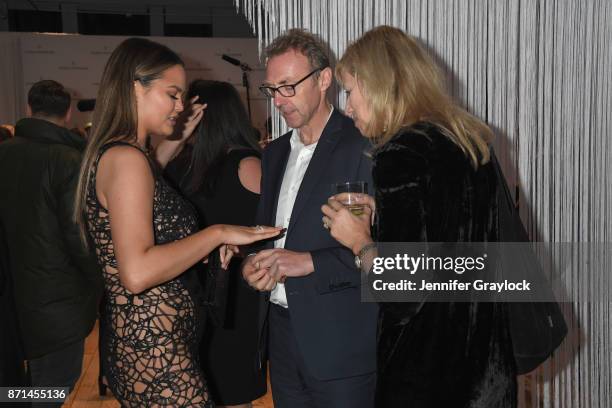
x,y
150,345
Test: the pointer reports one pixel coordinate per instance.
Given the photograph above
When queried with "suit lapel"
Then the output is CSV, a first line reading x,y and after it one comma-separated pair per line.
x,y
318,163
277,171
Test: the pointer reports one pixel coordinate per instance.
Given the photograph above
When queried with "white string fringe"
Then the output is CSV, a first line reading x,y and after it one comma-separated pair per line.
x,y
539,72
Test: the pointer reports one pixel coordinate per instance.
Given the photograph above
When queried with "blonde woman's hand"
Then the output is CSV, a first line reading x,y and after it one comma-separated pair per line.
x,y
350,230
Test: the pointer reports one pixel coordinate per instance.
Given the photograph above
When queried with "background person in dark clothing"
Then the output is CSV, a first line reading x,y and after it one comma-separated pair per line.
x,y
218,169
11,353
56,283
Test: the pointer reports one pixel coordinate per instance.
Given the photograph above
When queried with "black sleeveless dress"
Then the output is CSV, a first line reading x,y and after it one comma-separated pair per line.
x,y
229,349
150,342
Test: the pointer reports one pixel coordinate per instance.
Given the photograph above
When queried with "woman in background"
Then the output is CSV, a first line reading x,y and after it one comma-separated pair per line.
x,y
433,183
218,170
145,235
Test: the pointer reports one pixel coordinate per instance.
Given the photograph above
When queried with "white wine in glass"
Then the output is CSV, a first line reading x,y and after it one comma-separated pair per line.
x,y
356,209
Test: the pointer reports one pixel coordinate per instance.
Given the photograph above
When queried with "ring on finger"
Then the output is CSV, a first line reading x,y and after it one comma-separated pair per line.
x,y
325,223
258,228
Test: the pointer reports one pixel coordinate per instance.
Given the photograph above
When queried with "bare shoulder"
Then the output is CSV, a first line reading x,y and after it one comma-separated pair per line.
x,y
123,171
250,163
122,159
249,173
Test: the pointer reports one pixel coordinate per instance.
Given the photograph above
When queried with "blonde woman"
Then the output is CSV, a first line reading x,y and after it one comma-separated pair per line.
x,y
144,234
433,182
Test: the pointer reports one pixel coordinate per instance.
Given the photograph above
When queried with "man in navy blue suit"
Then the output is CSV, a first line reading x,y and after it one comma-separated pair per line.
x,y
321,338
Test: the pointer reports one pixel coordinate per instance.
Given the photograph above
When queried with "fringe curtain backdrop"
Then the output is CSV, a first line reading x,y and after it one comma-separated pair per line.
x,y
540,73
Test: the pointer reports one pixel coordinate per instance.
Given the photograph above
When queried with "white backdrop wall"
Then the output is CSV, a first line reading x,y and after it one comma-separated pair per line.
x,y
540,73
77,62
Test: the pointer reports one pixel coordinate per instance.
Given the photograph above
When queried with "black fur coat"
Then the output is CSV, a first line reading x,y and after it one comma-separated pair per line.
x,y
439,355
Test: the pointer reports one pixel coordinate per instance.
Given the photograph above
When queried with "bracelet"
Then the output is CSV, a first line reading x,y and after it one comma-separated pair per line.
x,y
362,252
365,249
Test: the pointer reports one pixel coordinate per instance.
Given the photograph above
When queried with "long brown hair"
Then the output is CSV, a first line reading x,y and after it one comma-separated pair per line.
x,y
225,126
115,116
403,86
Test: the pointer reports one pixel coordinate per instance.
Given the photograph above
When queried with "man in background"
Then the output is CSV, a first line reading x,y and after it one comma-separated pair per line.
x,y
56,284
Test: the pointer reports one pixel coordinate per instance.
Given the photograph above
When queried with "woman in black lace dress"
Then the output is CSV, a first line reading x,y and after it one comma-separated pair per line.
x,y
433,183
218,169
145,235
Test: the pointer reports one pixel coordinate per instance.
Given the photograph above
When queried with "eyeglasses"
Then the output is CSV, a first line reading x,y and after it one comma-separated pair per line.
x,y
285,90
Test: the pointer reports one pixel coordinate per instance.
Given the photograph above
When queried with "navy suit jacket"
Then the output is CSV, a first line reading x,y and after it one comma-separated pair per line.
x,y
335,331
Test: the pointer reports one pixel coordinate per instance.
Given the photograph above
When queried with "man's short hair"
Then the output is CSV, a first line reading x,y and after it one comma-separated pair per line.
x,y
304,42
49,98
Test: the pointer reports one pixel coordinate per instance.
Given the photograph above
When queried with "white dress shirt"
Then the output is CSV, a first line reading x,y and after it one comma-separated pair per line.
x,y
297,164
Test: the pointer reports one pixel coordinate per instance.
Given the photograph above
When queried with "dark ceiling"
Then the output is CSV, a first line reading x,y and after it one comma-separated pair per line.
x,y
189,18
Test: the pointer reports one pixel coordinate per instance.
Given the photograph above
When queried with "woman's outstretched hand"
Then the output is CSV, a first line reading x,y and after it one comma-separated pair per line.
x,y
352,231
240,235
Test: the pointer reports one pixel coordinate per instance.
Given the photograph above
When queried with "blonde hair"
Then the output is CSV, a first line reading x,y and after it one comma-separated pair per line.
x,y
115,116
403,86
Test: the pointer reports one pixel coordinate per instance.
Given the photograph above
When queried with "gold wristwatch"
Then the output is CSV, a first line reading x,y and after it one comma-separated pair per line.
x,y
362,252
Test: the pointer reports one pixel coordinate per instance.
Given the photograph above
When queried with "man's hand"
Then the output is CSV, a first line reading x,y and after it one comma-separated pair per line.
x,y
281,263
256,278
